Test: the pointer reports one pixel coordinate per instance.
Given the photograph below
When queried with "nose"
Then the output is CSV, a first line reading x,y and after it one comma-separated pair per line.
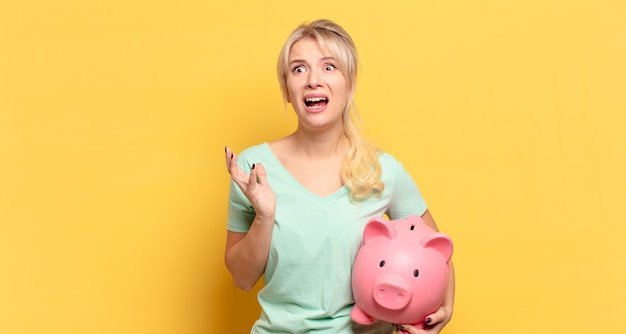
x,y
392,293
314,79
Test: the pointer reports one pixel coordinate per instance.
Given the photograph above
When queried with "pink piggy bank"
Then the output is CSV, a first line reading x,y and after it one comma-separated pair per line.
x,y
400,273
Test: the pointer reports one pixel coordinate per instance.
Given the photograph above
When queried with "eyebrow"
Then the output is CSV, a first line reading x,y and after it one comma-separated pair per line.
x,y
304,61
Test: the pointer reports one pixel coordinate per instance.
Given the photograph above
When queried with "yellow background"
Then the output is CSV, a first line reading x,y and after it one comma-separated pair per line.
x,y
114,114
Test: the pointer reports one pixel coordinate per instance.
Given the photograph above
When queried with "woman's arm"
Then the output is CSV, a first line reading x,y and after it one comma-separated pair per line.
x,y
246,253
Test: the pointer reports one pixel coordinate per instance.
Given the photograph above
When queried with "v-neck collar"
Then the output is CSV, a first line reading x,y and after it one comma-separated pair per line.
x,y
337,193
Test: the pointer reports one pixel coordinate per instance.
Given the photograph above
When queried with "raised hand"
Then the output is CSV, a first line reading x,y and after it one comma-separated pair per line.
x,y
255,186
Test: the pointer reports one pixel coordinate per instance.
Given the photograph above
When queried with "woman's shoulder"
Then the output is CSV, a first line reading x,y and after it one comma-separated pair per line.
x,y
387,160
391,167
255,151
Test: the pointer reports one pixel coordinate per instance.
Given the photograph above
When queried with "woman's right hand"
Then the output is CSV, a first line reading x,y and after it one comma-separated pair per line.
x,y
255,186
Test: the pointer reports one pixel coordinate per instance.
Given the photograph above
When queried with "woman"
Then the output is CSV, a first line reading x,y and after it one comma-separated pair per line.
x,y
298,205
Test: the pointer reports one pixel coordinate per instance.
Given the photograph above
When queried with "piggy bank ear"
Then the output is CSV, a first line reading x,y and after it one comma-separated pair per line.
x,y
377,227
439,242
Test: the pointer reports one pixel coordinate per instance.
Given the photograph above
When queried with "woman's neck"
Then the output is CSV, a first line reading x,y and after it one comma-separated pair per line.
x,y
322,144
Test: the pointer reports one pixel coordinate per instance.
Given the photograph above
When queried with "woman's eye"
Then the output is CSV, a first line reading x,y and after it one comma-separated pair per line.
x,y
298,69
330,67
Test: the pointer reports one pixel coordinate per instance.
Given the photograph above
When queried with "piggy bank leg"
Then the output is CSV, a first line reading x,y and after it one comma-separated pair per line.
x,y
361,317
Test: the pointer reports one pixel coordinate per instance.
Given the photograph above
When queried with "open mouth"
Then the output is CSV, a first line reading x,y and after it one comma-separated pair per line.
x,y
315,102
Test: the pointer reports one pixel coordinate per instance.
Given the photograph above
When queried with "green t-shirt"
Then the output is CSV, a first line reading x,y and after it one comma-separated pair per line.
x,y
314,242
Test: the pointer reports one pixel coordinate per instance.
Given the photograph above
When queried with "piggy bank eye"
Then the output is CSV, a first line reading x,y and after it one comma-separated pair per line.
x,y
416,272
382,263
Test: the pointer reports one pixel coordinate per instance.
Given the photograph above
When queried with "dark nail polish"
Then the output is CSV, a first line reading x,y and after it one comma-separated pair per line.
x,y
253,166
428,320
232,155
225,148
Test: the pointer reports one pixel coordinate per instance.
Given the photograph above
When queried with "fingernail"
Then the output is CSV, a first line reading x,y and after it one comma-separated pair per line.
x,y
232,155
253,166
225,148
428,320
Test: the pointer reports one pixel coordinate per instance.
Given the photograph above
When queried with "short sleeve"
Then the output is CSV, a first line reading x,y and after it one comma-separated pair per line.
x,y
406,198
240,211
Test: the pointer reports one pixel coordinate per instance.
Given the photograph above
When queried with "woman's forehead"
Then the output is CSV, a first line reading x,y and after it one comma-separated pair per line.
x,y
310,47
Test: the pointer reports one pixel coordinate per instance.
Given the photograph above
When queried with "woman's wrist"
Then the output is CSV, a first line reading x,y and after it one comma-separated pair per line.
x,y
264,219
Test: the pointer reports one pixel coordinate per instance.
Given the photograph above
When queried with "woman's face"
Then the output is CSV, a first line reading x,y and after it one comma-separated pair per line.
x,y
317,89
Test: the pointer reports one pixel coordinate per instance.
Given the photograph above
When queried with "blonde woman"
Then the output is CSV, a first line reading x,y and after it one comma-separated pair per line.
x,y
298,205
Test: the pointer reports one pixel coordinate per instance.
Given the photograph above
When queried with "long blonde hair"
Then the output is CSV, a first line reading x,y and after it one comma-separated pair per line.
x,y
361,170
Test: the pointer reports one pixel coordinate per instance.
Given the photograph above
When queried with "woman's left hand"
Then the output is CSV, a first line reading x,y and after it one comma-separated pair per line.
x,y
433,324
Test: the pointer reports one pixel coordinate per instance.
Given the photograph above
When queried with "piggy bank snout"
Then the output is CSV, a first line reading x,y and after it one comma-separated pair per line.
x,y
392,292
